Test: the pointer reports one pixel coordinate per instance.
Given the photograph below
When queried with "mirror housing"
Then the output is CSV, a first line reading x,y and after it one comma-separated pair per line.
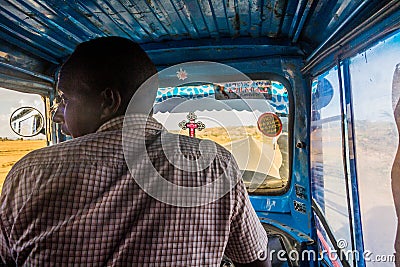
x,y
27,122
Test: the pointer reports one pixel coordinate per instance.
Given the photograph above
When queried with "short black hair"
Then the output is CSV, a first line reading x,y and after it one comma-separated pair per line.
x,y
109,62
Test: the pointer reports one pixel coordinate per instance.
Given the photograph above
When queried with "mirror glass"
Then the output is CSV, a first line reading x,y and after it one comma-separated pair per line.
x,y
27,121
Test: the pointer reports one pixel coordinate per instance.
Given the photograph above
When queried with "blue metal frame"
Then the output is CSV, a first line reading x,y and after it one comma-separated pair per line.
x,y
282,207
363,35
345,154
351,162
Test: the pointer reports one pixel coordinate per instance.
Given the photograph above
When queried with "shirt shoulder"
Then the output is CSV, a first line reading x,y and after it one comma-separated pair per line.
x,y
90,148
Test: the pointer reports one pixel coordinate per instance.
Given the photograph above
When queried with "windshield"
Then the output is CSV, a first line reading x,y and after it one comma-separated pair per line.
x,y
250,119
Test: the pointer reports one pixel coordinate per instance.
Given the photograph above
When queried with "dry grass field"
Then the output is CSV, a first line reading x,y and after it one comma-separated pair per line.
x,y
228,134
12,151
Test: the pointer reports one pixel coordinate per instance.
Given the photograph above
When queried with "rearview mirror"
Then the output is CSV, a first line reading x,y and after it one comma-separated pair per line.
x,y
27,122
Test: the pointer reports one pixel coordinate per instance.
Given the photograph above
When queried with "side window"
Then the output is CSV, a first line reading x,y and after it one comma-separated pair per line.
x,y
12,146
250,119
375,76
327,168
370,99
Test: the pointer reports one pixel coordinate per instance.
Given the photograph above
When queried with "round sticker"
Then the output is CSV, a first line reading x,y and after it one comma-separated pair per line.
x,y
269,124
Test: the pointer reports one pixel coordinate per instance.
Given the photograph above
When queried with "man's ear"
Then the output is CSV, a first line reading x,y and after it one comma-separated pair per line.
x,y
111,102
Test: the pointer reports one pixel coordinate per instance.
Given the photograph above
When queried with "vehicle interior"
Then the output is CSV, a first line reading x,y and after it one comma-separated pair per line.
x,y
285,52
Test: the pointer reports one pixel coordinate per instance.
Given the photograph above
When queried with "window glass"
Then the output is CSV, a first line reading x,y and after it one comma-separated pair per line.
x,y
250,119
12,146
375,80
327,171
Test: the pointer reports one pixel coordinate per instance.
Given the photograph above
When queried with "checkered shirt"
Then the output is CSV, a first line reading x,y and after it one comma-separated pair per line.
x,y
78,204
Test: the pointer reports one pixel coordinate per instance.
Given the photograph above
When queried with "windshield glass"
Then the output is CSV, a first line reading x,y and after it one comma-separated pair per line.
x,y
250,119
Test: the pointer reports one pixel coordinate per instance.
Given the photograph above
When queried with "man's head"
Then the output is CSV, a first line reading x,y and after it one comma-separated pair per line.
x,y
97,82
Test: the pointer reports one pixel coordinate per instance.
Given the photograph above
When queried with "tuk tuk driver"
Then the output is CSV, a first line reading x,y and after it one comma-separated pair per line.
x,y
76,203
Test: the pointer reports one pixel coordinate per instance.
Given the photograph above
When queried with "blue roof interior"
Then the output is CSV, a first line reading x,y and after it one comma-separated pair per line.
x,y
37,35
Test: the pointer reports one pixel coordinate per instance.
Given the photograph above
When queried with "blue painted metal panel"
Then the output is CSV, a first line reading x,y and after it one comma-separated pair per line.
x,y
14,39
223,54
108,19
125,19
232,17
44,18
184,14
296,17
255,15
302,21
288,14
297,235
13,25
373,29
272,17
51,29
334,13
280,204
73,19
174,20
25,85
243,9
214,18
149,19
301,158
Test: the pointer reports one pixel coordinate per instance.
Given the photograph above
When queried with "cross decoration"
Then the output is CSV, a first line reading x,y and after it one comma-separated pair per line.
x,y
191,124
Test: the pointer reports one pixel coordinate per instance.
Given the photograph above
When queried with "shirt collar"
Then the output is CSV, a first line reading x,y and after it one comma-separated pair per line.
x,y
133,121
